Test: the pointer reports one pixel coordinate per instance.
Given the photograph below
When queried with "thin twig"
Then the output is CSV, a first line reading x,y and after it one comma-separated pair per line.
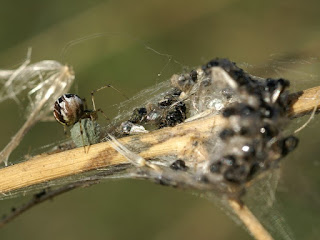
x,y
49,194
250,221
42,197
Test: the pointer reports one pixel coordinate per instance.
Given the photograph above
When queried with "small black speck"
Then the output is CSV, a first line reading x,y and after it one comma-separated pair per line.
x,y
226,133
165,102
283,83
142,111
244,131
179,165
254,169
162,181
246,110
40,194
229,160
229,112
270,85
288,144
215,167
194,75
227,92
236,174
204,179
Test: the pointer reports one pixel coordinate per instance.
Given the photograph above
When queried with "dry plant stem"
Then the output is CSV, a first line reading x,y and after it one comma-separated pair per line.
x,y
249,220
173,141
166,141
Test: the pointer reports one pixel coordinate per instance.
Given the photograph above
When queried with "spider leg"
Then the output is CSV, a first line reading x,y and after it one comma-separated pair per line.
x,y
103,114
103,87
81,133
65,130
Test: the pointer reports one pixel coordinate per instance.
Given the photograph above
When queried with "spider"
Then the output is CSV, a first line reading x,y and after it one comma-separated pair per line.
x,y
70,109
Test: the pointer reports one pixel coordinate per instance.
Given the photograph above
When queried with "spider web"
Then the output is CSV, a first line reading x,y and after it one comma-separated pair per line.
x,y
263,198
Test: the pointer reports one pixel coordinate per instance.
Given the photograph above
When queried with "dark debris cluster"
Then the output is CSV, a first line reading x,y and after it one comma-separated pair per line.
x,y
167,112
253,139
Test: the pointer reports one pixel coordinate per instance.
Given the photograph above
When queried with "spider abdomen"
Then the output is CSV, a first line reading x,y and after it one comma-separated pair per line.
x,y
68,109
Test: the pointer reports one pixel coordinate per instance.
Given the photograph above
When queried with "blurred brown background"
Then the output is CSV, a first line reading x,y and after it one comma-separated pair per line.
x,y
268,38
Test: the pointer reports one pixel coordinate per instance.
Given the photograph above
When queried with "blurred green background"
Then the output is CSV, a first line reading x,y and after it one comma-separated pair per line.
x,y
133,51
